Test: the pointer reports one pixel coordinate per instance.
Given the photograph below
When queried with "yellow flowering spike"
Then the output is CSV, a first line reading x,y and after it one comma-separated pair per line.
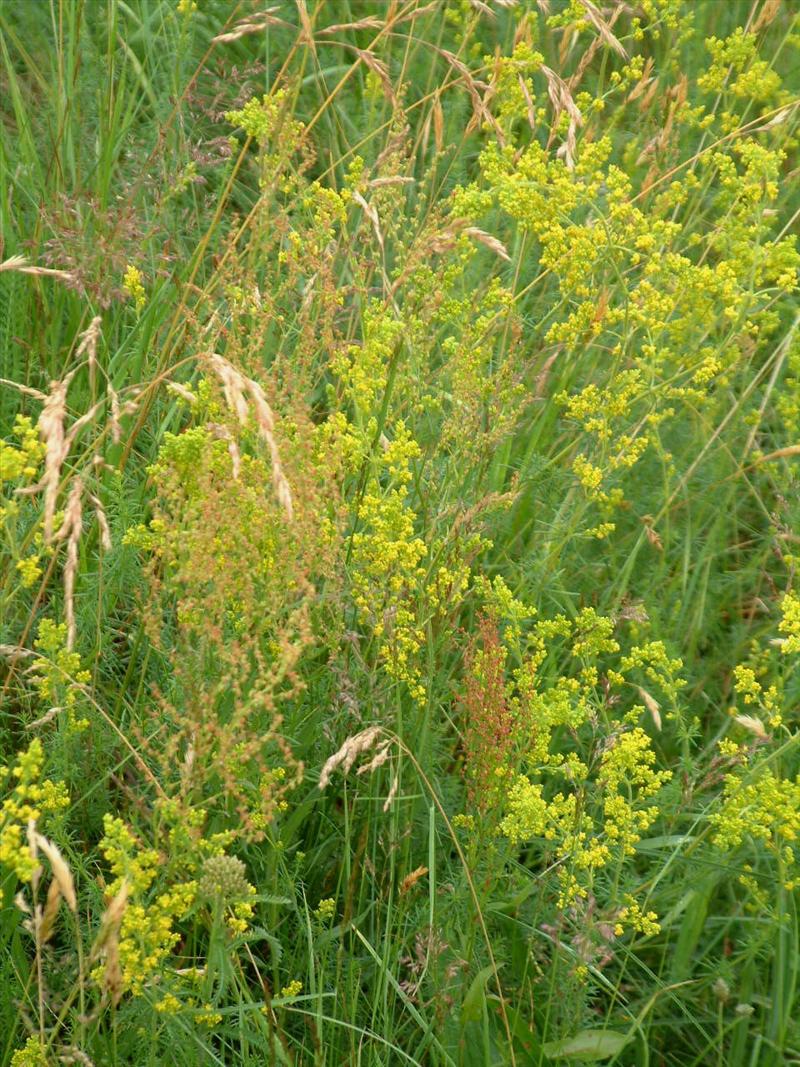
x,y
133,286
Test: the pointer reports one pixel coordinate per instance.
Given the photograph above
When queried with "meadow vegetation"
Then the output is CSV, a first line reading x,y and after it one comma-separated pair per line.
x,y
399,504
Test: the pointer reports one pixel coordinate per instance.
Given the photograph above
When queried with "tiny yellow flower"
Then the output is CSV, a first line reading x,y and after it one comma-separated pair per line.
x,y
133,286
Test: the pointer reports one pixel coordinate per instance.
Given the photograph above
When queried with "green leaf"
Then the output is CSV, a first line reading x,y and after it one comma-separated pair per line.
x,y
258,933
587,1046
694,920
474,1001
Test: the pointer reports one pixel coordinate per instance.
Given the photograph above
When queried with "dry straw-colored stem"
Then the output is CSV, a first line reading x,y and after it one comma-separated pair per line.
x,y
102,522
61,872
241,393
603,28
106,944
346,756
88,342
250,24
22,266
70,531
51,429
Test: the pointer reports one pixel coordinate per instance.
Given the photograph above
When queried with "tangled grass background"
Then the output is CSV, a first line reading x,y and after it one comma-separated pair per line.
x,y
399,620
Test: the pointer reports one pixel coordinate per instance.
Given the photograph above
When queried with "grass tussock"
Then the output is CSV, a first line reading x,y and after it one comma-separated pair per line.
x,y
399,612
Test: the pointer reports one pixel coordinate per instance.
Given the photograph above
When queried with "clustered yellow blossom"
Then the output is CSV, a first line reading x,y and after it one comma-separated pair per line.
x,y
20,463
632,917
30,570
790,623
736,69
202,874
583,842
59,676
626,770
32,1054
168,1005
22,460
652,660
364,368
751,691
134,287
386,561
147,933
28,799
588,812
208,1017
618,263
759,805
261,119
325,910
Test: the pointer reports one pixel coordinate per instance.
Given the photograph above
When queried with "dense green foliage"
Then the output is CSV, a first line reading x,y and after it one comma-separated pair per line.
x,y
399,620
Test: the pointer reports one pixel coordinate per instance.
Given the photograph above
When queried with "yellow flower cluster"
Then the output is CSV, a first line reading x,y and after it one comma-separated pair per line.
x,y
386,558
607,806
364,368
260,118
31,1055
626,770
632,917
30,570
28,800
325,910
651,659
240,915
22,460
736,69
623,267
758,802
790,622
170,1004
198,873
20,463
58,673
752,691
530,815
134,287
761,806
208,1017
624,780
147,934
